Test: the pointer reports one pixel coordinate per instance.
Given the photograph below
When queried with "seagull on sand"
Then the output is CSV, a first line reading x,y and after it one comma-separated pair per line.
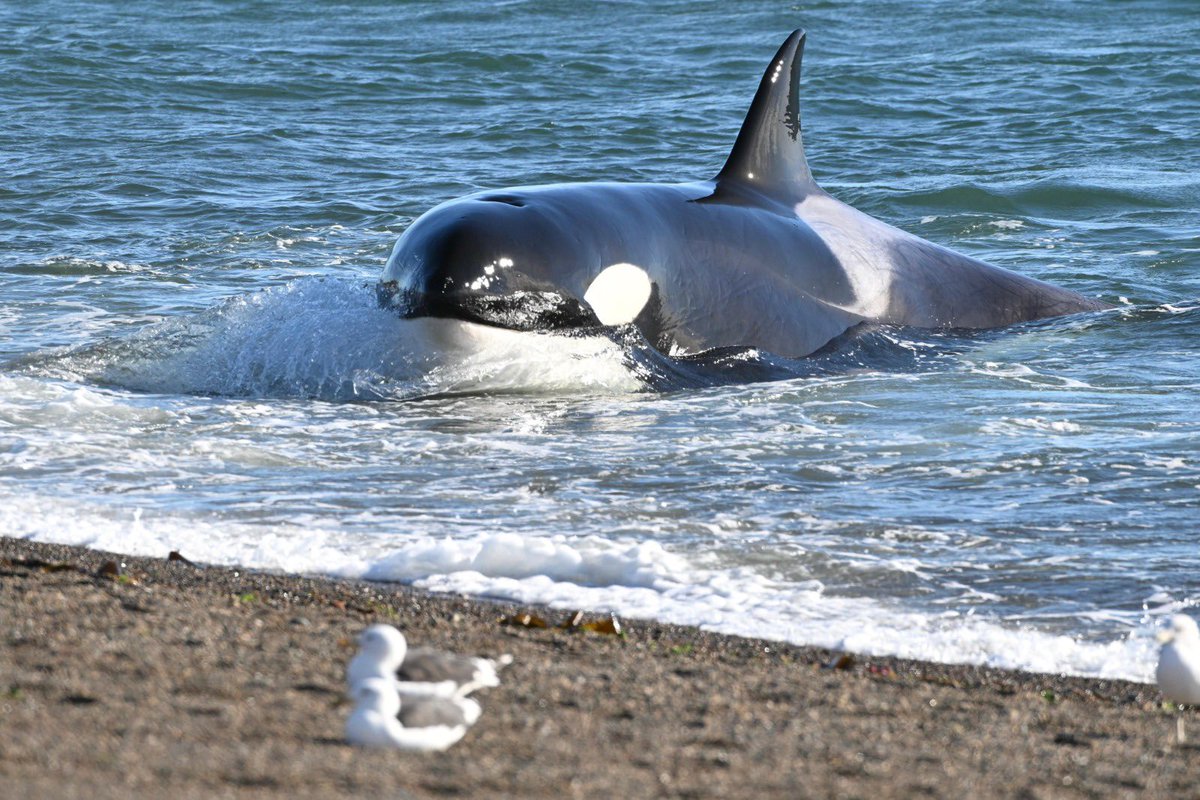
x,y
1178,670
1179,661
384,653
381,718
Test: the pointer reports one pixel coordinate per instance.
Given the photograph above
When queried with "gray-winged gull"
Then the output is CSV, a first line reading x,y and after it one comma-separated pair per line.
x,y
381,719
384,653
1178,670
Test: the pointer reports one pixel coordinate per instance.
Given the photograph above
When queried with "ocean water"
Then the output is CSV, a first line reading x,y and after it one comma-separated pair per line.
x,y
195,203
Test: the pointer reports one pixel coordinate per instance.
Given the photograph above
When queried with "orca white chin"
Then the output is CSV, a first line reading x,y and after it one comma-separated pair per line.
x,y
472,358
457,337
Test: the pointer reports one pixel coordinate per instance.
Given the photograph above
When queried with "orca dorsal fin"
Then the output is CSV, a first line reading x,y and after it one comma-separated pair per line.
x,y
769,153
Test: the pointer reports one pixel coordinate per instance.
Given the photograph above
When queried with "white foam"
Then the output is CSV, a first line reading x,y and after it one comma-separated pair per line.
x,y
1014,425
85,266
81,406
634,579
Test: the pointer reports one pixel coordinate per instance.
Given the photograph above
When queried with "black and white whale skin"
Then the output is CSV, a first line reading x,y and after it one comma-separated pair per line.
x,y
758,257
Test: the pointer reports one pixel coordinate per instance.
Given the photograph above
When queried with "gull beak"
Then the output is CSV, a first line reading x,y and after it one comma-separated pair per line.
x,y
1165,636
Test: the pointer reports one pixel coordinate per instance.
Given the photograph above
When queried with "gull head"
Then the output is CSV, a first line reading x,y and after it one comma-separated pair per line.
x,y
384,644
376,694
1182,629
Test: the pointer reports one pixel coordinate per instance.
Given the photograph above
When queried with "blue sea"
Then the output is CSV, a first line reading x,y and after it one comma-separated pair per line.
x,y
197,199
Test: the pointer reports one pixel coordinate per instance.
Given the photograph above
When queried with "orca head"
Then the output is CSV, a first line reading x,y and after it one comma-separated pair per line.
x,y
498,259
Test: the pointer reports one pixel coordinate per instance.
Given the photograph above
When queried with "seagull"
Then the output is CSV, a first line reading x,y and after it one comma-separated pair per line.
x,y
428,711
384,653
1178,670
1179,661
381,719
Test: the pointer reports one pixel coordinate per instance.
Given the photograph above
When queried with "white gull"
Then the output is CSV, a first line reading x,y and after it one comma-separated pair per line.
x,y
381,719
1178,670
384,653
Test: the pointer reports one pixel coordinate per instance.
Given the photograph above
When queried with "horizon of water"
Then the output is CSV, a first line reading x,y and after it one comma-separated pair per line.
x,y
197,205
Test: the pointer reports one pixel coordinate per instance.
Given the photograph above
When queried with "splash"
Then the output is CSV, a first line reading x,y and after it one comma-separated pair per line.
x,y
329,339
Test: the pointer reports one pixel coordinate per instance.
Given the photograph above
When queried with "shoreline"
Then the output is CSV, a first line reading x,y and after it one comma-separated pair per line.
x,y
204,681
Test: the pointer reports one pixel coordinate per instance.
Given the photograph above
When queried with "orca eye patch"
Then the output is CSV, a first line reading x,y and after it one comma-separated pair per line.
x,y
619,293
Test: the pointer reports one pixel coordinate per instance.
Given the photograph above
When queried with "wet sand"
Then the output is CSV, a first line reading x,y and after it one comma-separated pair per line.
x,y
176,680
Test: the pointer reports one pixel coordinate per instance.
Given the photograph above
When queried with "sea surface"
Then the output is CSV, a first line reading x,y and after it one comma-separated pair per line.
x,y
196,200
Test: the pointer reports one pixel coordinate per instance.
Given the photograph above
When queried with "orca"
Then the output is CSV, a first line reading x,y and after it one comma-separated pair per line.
x,y
758,257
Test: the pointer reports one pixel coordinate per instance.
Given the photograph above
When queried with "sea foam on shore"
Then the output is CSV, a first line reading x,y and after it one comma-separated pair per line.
x,y
634,579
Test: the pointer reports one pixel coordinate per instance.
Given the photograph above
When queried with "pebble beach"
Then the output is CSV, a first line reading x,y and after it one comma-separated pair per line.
x,y
124,676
